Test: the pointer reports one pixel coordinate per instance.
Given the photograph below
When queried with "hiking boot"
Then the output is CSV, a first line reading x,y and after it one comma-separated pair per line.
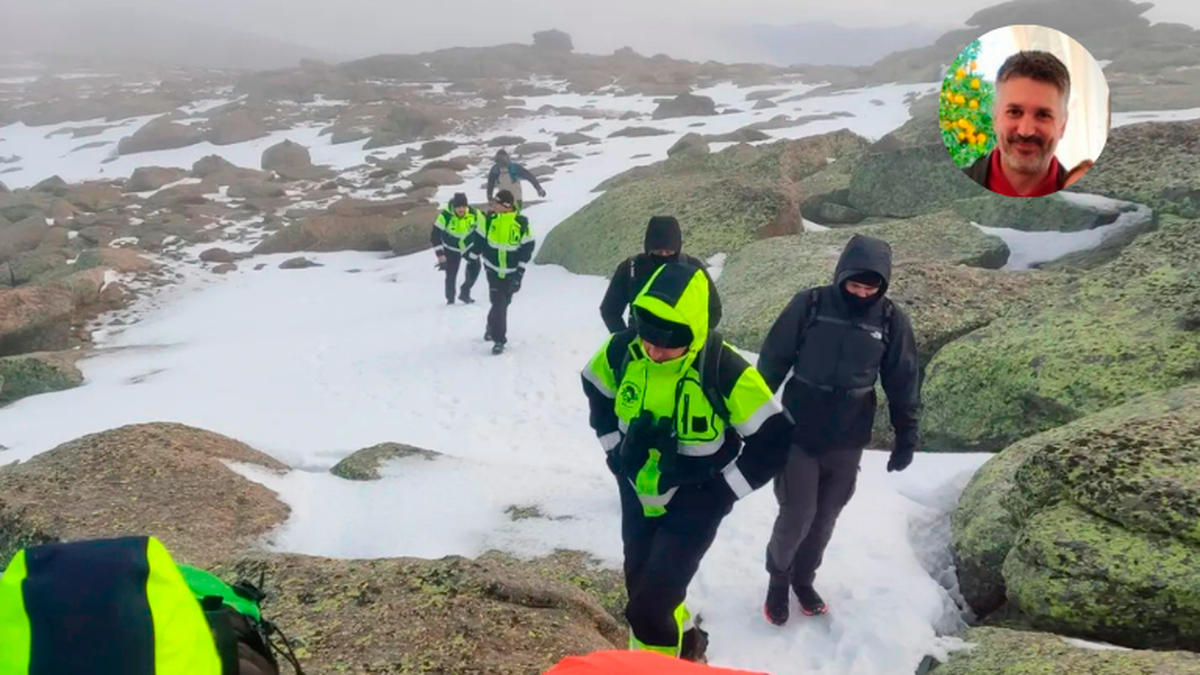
x,y
498,348
449,301
465,298
487,335
776,607
695,646
810,601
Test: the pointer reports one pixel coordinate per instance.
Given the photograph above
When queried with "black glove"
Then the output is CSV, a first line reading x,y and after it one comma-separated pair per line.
x,y
903,449
900,459
644,433
516,281
613,459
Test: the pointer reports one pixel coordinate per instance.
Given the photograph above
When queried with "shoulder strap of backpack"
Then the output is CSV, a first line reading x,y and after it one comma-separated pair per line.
x,y
889,308
710,374
810,317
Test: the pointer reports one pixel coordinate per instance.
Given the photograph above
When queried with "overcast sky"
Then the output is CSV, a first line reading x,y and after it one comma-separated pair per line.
x,y
681,28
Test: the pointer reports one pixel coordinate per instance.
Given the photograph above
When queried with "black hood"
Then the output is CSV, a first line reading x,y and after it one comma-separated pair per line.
x,y
662,233
865,254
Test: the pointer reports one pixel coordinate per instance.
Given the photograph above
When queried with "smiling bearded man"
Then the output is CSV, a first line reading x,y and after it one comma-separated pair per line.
x,y
1032,90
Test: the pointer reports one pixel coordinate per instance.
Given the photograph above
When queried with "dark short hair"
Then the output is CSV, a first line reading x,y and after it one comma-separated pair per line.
x,y
1037,65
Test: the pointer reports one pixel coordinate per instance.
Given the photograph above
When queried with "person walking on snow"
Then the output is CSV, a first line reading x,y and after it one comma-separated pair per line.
x,y
836,341
507,175
663,244
451,231
689,427
505,243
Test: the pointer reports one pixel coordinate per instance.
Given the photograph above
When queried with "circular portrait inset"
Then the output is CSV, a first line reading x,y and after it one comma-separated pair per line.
x,y
1024,111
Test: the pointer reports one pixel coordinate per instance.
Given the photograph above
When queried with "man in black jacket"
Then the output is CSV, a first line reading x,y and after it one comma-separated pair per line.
x,y
837,341
663,244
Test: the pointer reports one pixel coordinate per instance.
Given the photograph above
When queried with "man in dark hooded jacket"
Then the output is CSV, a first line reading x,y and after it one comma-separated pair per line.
x,y
837,341
663,244
506,174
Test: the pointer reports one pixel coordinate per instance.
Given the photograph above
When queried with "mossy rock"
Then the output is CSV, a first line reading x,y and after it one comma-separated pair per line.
x,y
759,281
1084,526
909,181
723,202
717,215
1152,163
33,374
999,650
407,615
1121,330
365,464
1053,213
1075,572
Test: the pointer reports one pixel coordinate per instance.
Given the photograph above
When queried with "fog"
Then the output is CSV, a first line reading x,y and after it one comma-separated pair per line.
x,y
694,29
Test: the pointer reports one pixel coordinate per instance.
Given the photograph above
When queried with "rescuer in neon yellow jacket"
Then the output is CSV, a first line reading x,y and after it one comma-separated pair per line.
x,y
504,242
689,428
450,237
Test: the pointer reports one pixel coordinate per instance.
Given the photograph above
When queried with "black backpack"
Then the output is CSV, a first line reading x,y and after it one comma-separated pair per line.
x,y
810,318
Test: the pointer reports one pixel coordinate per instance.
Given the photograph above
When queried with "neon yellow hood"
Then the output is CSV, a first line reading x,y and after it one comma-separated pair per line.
x,y
679,293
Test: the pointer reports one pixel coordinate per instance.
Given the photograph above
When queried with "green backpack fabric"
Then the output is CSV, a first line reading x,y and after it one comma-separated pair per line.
x,y
235,616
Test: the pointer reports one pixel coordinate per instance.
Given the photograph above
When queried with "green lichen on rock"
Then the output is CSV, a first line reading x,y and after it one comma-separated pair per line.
x,y
33,374
1073,571
1152,163
1051,213
1116,332
909,181
984,528
401,616
998,650
759,281
1093,528
365,464
723,201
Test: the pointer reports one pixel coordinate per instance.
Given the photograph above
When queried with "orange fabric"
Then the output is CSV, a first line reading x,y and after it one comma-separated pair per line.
x,y
635,663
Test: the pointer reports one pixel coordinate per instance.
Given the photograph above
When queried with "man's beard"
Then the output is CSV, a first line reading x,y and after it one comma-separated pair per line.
x,y
1030,165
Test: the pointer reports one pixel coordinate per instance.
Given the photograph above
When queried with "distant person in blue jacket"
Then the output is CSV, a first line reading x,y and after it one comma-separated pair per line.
x,y
507,175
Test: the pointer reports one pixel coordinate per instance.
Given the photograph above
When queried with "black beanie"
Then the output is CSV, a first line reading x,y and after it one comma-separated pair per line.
x,y
660,332
459,199
663,233
867,278
506,198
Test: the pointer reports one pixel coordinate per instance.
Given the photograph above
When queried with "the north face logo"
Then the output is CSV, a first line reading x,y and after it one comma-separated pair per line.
x,y
629,393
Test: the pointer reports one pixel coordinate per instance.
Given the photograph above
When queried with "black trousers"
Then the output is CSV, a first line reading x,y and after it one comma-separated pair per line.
x,y
663,554
453,259
811,491
500,293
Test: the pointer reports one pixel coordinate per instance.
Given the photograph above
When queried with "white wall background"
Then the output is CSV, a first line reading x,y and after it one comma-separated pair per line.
x,y
1089,116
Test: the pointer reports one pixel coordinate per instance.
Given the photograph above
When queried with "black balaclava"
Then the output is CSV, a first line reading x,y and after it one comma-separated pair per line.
x,y
868,278
867,260
663,233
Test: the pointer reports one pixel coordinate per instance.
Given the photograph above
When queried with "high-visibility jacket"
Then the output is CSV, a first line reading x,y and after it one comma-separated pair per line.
x,y
505,243
726,423
452,232
107,607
